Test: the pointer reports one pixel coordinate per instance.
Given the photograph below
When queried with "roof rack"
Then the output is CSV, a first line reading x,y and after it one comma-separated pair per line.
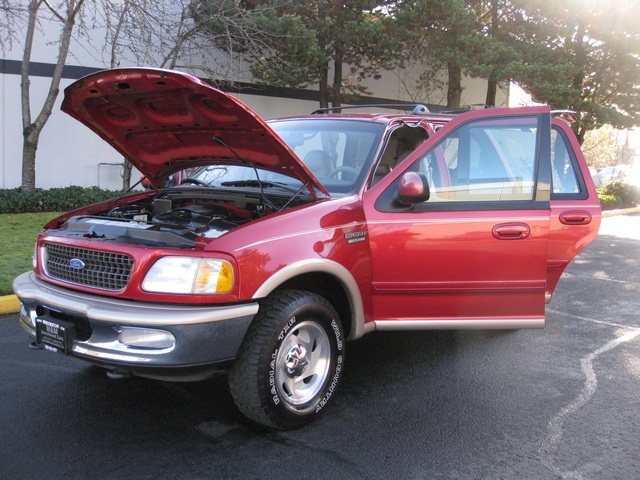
x,y
417,109
466,108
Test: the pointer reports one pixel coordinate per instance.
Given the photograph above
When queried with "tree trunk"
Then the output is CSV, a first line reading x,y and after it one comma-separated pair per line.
x,y
454,85
126,174
32,130
29,148
29,142
580,132
492,81
336,90
492,90
578,79
323,86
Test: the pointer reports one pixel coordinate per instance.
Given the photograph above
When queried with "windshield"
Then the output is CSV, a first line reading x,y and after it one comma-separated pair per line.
x,y
338,152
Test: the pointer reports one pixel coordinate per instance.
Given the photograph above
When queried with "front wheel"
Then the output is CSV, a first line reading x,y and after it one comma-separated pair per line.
x,y
290,362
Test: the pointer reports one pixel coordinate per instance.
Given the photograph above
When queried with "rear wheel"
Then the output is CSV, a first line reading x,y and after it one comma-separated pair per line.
x,y
290,362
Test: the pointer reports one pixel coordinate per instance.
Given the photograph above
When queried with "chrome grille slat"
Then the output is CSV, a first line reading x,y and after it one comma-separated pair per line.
x,y
103,270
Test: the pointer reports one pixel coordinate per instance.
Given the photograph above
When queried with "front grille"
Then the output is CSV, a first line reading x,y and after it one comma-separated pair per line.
x,y
92,268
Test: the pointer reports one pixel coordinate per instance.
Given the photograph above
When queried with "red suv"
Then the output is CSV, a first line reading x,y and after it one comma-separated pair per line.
x,y
261,247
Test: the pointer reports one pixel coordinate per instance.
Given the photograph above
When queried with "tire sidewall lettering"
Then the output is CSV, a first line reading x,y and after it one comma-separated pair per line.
x,y
290,323
272,378
338,334
273,390
332,385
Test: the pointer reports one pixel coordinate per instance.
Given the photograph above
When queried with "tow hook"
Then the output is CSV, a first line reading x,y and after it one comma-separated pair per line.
x,y
118,374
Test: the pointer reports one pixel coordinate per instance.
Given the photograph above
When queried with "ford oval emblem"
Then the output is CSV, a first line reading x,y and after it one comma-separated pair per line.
x,y
76,263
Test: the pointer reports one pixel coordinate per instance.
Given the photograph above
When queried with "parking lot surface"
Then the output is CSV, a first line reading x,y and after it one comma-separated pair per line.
x,y
562,402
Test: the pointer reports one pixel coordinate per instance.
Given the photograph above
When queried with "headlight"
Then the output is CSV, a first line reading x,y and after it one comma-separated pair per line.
x,y
191,275
34,259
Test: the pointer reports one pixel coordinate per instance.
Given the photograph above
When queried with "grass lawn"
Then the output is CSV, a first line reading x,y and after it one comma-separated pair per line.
x,y
18,234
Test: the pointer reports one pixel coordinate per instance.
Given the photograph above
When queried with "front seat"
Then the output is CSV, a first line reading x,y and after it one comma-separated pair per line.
x,y
319,162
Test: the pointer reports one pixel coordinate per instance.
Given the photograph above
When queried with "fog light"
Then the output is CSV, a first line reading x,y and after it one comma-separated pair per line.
x,y
146,338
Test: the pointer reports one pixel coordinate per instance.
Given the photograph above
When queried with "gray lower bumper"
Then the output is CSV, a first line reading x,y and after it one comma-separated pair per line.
x,y
203,336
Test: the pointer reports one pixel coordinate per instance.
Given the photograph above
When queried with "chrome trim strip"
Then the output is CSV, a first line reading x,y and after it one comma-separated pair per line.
x,y
460,324
28,287
110,352
321,265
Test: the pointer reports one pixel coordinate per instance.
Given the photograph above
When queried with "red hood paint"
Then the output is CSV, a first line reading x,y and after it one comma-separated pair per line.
x,y
164,121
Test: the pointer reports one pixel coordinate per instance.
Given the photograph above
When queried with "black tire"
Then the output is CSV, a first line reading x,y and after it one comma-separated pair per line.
x,y
290,361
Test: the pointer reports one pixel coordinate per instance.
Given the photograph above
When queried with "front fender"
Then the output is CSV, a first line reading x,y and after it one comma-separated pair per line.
x,y
321,265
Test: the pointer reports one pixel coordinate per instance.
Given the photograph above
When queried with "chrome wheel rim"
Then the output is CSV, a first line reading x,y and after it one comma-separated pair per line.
x,y
302,363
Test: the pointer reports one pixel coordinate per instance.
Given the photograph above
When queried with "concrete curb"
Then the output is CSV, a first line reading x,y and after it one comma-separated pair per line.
x,y
622,211
11,304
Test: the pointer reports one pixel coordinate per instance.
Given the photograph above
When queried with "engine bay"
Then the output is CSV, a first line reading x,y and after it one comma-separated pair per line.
x,y
176,217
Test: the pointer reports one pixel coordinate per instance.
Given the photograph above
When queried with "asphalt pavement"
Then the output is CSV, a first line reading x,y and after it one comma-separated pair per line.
x,y
562,402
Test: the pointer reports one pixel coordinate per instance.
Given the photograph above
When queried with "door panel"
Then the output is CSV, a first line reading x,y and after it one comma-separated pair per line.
x,y
575,207
477,249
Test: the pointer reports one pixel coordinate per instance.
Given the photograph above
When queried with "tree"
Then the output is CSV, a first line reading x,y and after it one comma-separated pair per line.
x,y
11,21
444,37
309,40
508,30
166,34
175,34
606,146
66,13
591,64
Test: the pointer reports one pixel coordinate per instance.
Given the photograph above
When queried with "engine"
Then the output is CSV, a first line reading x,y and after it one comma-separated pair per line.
x,y
161,222
199,218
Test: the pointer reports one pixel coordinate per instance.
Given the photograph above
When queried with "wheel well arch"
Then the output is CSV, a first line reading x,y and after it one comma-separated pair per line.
x,y
328,279
328,287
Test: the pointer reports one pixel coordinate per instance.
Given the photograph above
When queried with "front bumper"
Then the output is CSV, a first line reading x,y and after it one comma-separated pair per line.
x,y
204,336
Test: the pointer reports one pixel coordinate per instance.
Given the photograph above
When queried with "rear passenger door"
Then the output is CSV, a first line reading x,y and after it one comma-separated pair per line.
x,y
475,253
575,206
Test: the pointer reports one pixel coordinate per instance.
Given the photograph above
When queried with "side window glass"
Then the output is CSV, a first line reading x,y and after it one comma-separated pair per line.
x,y
564,179
484,161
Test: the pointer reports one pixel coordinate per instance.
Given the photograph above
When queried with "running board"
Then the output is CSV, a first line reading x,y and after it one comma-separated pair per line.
x,y
464,324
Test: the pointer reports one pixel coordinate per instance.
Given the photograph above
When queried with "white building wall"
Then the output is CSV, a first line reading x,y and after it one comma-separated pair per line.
x,y
70,154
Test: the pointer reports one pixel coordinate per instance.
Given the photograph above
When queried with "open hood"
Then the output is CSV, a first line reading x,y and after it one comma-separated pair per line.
x,y
163,121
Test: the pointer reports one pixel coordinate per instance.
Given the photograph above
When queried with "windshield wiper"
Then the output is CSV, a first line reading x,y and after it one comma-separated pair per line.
x,y
247,183
258,184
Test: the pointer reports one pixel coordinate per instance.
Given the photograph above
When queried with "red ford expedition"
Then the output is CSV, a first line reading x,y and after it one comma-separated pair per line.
x,y
261,247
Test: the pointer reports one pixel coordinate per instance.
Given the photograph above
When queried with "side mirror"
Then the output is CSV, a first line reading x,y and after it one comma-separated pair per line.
x,y
413,188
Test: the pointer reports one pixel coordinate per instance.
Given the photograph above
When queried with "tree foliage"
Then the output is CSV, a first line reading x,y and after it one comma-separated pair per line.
x,y
606,146
444,37
309,40
589,61
581,55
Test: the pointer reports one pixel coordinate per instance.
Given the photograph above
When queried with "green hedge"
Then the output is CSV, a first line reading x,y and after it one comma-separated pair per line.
x,y
52,200
618,195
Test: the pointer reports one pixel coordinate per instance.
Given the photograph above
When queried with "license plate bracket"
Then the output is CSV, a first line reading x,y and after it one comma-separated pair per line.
x,y
54,334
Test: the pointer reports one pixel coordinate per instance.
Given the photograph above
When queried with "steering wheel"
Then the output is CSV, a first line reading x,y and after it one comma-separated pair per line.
x,y
195,181
346,169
